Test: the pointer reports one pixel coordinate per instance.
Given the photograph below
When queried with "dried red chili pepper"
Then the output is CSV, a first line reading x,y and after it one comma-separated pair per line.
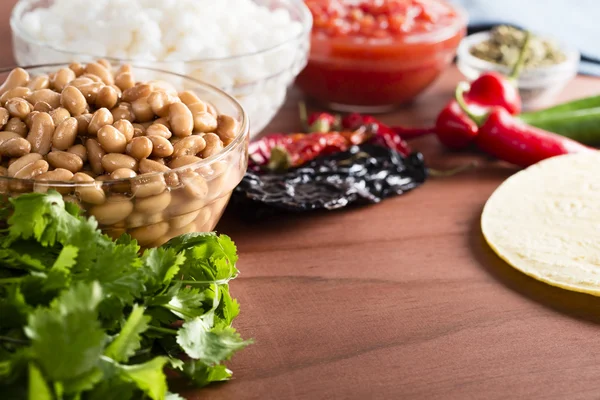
x,y
393,141
323,122
281,151
510,139
382,133
356,120
318,121
412,133
259,151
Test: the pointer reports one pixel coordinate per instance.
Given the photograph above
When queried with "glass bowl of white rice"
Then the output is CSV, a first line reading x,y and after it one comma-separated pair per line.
x,y
251,49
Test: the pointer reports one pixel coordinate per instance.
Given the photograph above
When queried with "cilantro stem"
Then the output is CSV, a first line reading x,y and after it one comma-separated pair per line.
x,y
143,352
13,340
177,310
162,330
59,390
203,283
15,279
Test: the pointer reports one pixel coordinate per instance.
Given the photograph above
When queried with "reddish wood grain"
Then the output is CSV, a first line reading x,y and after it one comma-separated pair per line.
x,y
402,299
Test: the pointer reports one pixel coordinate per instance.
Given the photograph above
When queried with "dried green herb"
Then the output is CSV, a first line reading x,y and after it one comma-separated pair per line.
x,y
505,43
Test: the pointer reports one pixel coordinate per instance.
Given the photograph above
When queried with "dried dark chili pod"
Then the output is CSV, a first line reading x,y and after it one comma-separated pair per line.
x,y
363,174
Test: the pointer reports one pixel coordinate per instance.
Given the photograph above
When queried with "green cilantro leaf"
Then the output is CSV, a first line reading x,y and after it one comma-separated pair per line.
x,y
13,308
33,289
128,340
83,297
229,249
176,363
28,257
13,365
207,247
210,346
44,218
228,307
67,339
83,382
202,374
66,259
112,389
189,240
149,377
38,388
187,303
90,243
117,270
59,275
73,209
162,265
160,316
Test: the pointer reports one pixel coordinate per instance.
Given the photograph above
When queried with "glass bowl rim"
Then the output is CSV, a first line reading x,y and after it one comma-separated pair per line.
x,y
432,37
306,20
242,134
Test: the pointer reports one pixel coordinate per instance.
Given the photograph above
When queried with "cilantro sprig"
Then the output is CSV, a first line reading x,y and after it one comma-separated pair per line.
x,y
87,317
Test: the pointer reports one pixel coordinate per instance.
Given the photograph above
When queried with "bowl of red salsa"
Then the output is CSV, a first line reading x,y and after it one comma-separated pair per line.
x,y
375,55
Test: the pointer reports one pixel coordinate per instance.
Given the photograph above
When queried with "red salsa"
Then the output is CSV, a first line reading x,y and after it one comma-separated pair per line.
x,y
378,53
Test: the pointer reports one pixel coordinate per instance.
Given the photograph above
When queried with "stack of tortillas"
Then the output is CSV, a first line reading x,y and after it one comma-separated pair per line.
x,y
545,222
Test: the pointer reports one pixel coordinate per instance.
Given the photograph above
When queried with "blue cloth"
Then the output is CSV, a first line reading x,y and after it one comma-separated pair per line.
x,y
576,22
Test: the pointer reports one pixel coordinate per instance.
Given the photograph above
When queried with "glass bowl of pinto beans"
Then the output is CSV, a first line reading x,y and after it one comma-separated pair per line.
x,y
149,153
374,55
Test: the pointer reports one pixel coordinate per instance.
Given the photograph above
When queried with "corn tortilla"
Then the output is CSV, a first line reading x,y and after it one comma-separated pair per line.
x,y
545,222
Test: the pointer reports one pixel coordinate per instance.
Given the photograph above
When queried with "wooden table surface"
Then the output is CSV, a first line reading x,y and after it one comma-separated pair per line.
x,y
401,300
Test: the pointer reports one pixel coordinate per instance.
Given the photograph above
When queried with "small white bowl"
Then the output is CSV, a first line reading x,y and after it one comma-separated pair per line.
x,y
537,86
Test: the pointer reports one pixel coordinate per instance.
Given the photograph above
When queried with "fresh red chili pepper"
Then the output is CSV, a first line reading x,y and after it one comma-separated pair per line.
x,y
453,126
494,89
509,139
455,129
